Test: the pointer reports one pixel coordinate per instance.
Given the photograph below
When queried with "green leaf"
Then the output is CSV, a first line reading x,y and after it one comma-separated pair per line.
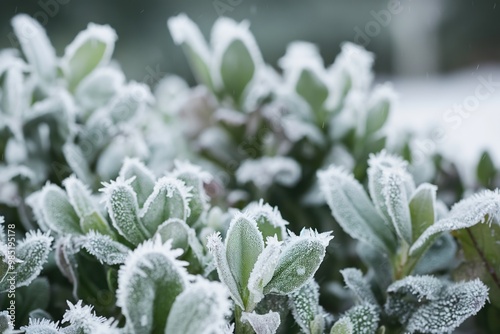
x,y
201,308
143,182
36,46
170,199
91,48
486,170
342,326
148,284
121,202
269,220
480,208
262,323
41,326
105,249
78,163
13,92
300,258
176,230
244,244
423,209
379,108
57,211
194,177
97,89
481,250
364,318
312,88
186,33
237,68
439,257
353,210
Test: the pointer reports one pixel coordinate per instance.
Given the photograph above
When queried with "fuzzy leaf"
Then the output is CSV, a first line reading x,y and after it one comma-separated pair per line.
x,y
36,46
244,244
41,326
144,181
148,284
355,281
379,107
78,163
353,210
218,251
364,318
425,304
396,200
439,257
201,308
480,208
13,91
81,200
57,211
82,319
91,48
121,202
304,304
99,87
263,271
105,249
33,251
269,220
262,323
300,258
342,326
195,178
312,88
170,199
176,230
5,323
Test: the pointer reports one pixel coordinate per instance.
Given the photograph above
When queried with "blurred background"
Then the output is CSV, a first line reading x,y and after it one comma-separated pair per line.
x,y
436,52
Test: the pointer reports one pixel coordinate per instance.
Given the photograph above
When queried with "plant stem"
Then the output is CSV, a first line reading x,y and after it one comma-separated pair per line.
x,y
241,327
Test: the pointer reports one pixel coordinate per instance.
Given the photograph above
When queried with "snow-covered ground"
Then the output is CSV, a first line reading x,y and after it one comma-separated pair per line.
x,y
456,114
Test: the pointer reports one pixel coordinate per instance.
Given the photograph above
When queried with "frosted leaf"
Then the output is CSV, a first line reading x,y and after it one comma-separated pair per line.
x,y
218,251
150,280
144,181
77,162
342,326
194,177
41,326
244,243
130,101
36,46
85,206
355,63
396,201
186,33
5,323
265,171
90,49
305,74
13,92
440,256
169,199
304,304
234,51
201,308
426,304
105,249
177,231
379,105
82,319
300,257
121,203
99,87
263,270
296,129
33,251
353,210
355,282
480,208
269,220
364,318
262,323
57,211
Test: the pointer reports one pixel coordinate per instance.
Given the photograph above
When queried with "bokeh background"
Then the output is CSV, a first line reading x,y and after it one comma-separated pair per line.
x,y
434,51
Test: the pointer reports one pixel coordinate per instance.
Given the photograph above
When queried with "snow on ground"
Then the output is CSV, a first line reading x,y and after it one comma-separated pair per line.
x,y
456,114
